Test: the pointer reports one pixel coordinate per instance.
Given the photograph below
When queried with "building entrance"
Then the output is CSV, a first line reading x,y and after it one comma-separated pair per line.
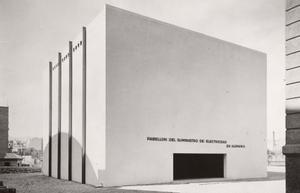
x,y
194,166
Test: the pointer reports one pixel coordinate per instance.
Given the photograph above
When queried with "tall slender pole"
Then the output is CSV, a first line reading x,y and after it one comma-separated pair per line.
x,y
50,121
274,141
70,135
59,118
83,103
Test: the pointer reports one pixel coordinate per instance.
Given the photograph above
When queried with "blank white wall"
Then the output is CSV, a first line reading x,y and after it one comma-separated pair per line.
x,y
65,116
95,157
166,81
77,111
45,166
54,120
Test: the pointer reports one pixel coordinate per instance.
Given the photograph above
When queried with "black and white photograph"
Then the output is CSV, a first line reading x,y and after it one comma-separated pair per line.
x,y
141,96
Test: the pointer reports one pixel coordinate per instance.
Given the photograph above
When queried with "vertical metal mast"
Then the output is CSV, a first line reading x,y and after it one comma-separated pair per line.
x,y
70,133
50,121
59,118
83,103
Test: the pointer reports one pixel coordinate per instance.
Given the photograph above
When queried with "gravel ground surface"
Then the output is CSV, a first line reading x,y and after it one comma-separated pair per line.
x,y
37,183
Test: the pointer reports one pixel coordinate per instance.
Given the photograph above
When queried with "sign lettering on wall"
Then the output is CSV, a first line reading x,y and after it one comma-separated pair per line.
x,y
194,140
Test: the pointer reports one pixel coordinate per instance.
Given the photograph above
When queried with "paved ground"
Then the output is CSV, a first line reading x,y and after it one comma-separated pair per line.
x,y
275,183
37,183
275,186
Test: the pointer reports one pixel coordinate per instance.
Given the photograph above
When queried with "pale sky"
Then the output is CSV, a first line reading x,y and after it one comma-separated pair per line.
x,y
33,31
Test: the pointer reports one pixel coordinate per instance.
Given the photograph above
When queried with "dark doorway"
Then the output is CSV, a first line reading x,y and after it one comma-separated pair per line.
x,y
193,166
6,163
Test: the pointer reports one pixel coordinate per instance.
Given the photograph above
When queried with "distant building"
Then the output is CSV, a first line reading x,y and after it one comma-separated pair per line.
x,y
30,149
28,160
17,146
11,159
3,131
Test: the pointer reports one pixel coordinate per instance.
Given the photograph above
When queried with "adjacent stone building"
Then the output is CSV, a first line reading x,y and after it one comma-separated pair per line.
x,y
3,131
292,147
6,159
